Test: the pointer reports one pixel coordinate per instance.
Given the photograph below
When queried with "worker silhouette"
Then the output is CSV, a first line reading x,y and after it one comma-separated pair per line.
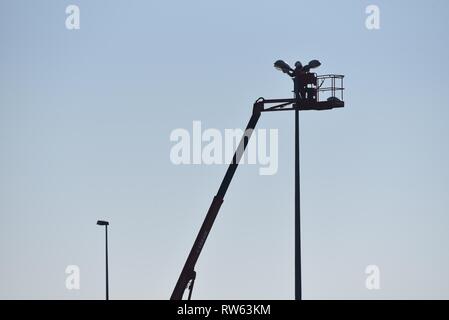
x,y
305,82
300,84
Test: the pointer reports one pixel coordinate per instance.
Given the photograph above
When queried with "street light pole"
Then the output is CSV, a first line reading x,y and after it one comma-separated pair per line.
x,y
107,265
297,213
106,223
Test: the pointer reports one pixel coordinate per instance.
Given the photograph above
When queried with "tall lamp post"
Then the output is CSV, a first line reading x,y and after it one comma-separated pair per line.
x,y
300,76
298,284
306,93
105,224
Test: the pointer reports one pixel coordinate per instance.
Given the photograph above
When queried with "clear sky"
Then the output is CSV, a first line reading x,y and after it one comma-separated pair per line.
x,y
85,121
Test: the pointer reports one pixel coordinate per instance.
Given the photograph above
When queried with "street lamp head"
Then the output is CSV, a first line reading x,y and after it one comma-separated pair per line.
x,y
102,223
283,66
312,65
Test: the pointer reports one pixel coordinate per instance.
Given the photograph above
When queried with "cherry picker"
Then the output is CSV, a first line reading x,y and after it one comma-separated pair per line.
x,y
307,89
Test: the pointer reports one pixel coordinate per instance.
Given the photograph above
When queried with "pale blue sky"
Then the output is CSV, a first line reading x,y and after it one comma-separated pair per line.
x,y
85,120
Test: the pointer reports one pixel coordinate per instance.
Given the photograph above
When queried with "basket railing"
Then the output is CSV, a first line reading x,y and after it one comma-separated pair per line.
x,y
330,85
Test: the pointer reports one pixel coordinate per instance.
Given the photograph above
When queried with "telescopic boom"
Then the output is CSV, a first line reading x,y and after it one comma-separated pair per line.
x,y
188,273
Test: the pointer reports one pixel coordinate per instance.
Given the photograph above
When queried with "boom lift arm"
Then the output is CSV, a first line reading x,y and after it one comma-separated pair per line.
x,y
188,274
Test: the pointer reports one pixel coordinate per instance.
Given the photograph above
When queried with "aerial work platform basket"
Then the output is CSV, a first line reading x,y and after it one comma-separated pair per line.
x,y
330,86
319,92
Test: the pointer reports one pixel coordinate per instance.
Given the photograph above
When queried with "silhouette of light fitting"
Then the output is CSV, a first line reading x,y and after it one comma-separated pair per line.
x,y
102,223
282,66
311,65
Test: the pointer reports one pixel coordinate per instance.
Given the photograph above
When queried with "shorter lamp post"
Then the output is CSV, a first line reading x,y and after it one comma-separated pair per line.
x,y
105,224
